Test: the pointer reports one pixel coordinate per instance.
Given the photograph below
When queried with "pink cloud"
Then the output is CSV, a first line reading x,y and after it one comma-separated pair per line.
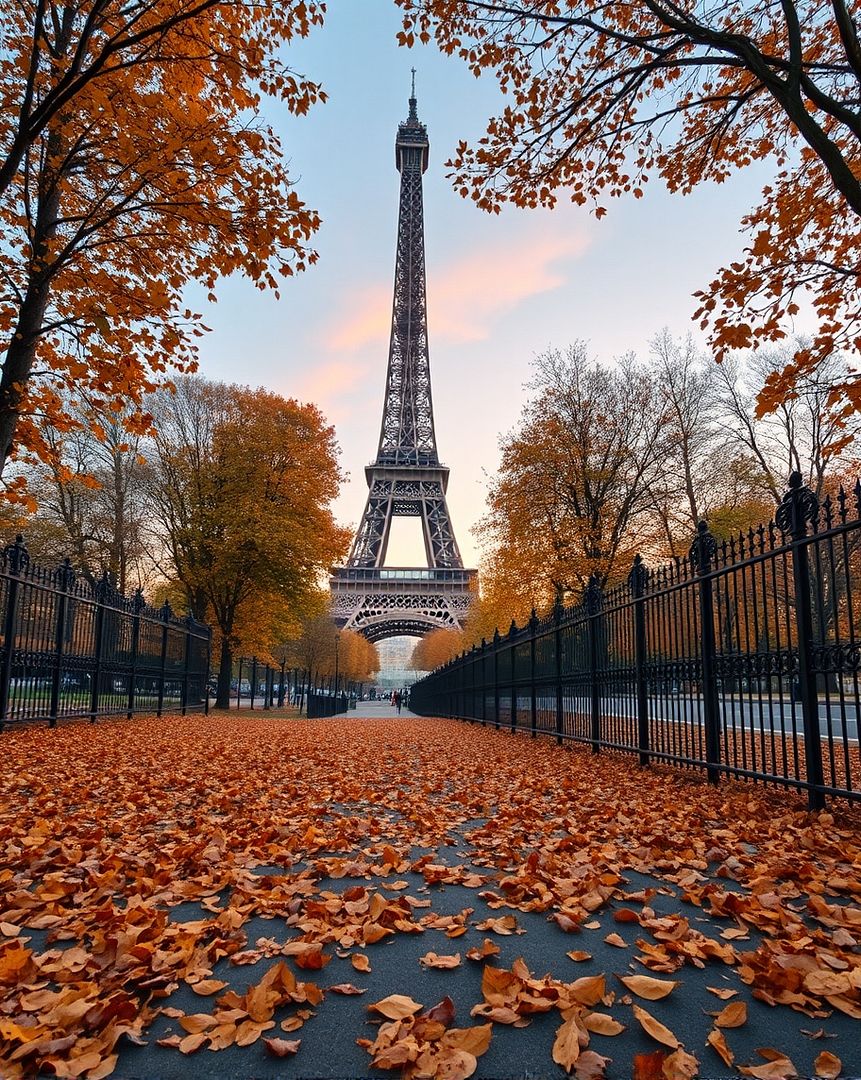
x,y
465,295
328,382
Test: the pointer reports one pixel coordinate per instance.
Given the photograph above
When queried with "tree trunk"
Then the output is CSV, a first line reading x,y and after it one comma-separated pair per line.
x,y
225,672
21,350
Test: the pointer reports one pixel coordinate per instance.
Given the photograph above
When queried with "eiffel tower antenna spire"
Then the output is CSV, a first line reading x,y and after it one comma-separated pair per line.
x,y
407,478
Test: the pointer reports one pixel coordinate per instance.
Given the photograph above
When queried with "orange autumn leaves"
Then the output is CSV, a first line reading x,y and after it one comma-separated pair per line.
x,y
105,829
601,98
134,160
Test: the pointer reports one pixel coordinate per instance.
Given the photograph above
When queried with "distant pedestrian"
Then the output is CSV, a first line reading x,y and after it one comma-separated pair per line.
x,y
398,700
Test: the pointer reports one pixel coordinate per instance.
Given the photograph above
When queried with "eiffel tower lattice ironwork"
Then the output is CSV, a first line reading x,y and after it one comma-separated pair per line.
x,y
406,479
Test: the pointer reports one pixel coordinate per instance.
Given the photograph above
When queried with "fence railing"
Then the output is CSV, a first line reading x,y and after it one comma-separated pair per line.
x,y
259,684
741,659
75,650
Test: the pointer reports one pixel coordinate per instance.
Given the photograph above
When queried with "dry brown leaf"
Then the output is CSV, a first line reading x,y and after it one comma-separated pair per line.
x,y
345,988
655,1028
645,986
396,1007
208,986
312,960
732,1015
617,940
190,1043
602,1024
649,1066
827,983
441,1013
717,1041
680,1065
282,1047
500,1014
781,1069
487,948
845,1005
578,955
432,960
506,924
197,1022
626,915
568,1043
454,1064
828,1066
723,992
587,991
475,1040
360,962
249,1031
591,1066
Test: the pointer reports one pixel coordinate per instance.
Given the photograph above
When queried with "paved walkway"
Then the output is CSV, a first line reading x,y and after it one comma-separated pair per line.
x,y
378,710
226,845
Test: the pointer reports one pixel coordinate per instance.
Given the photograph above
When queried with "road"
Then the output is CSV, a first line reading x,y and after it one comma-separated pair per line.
x,y
760,715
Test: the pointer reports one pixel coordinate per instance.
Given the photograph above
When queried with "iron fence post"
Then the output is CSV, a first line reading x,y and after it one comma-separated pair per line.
x,y
483,683
253,680
207,669
593,607
512,631
281,684
183,701
496,640
533,690
102,590
798,508
703,552
17,559
239,686
138,604
166,613
64,577
637,582
557,649
472,664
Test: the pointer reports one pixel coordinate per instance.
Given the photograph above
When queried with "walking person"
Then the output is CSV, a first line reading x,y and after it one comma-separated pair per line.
x,y
398,700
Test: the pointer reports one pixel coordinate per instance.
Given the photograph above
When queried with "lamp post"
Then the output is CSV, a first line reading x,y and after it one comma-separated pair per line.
x,y
337,646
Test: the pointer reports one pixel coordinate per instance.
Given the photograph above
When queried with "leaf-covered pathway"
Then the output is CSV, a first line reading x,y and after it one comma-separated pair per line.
x,y
203,897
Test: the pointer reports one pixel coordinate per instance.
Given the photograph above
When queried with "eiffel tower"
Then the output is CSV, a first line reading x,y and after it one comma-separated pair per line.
x,y
406,479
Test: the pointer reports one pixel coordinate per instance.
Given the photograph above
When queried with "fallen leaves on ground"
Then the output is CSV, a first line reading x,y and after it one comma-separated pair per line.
x,y
105,829
425,1044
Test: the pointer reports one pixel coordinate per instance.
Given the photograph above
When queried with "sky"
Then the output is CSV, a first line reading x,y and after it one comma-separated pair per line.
x,y
501,289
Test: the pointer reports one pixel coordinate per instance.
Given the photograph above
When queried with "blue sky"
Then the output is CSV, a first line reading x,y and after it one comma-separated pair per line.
x,y
501,289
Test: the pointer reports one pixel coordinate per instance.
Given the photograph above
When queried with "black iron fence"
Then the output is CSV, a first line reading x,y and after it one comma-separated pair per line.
x,y
75,650
742,659
259,684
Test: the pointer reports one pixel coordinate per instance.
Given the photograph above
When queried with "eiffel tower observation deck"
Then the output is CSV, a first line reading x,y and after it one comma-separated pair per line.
x,y
406,479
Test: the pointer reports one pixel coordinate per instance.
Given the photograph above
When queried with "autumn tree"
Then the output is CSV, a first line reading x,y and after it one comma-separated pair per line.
x,y
575,475
241,486
601,97
90,500
358,658
435,648
802,434
133,161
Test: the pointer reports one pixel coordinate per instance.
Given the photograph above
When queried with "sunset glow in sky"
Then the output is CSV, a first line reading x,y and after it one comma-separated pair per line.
x,y
500,289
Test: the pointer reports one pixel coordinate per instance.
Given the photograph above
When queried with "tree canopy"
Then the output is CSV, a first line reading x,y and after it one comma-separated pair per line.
x,y
601,97
133,160
241,489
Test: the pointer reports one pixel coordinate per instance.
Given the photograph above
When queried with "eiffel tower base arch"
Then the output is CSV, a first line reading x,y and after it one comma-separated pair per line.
x,y
383,602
